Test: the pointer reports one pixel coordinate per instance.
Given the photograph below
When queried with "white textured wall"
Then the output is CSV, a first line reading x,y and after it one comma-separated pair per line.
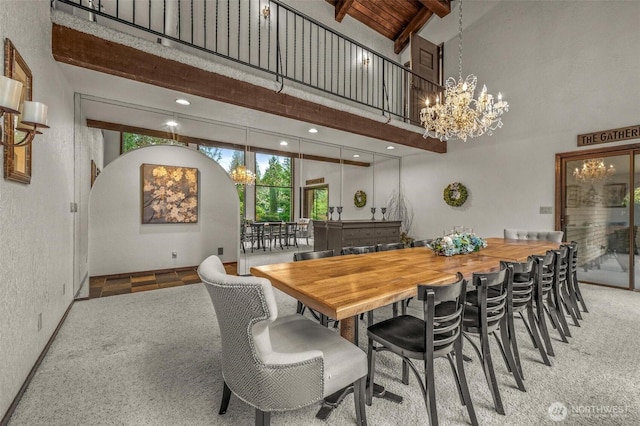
x,y
36,229
89,146
119,242
111,146
566,68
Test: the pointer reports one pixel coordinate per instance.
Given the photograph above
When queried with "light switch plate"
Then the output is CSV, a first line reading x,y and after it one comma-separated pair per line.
x,y
546,210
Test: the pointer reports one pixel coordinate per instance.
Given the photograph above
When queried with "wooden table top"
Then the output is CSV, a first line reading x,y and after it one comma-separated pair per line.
x,y
344,286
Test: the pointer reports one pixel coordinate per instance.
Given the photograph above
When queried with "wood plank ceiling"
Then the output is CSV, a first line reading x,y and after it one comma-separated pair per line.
x,y
394,19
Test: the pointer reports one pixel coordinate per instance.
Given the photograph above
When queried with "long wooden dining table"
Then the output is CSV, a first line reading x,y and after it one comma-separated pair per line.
x,y
343,287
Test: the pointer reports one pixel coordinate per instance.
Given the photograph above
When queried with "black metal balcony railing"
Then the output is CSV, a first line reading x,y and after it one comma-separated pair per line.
x,y
274,38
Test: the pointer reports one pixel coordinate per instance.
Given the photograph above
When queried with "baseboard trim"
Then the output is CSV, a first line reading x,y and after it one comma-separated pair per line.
x,y
82,284
25,385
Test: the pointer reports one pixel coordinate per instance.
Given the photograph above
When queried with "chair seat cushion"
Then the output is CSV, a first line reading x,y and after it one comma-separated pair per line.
x,y
344,362
406,333
471,319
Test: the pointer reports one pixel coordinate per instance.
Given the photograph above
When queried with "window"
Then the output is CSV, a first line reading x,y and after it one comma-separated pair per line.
x,y
229,159
273,188
132,141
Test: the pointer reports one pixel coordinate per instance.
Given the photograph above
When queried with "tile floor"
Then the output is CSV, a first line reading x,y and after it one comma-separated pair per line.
x,y
143,281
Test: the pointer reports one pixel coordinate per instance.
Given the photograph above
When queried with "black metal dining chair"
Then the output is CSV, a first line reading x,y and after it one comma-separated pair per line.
x,y
390,246
524,286
308,255
486,314
573,271
438,334
357,250
544,273
421,243
560,294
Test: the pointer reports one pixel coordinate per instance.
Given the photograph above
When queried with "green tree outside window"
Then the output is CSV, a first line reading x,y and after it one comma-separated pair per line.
x,y
274,189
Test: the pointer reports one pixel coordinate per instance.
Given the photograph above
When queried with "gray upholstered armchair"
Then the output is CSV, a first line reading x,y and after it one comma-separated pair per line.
x,y
277,364
519,234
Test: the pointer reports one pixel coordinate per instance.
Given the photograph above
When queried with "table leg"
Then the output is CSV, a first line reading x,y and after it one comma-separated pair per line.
x,y
348,328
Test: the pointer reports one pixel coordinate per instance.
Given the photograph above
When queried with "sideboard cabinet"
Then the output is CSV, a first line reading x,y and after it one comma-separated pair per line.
x,y
335,234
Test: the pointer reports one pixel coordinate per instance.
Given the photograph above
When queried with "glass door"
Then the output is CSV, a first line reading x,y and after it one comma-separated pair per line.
x,y
599,217
634,207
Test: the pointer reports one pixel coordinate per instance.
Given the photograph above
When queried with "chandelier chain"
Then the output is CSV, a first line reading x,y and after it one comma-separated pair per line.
x,y
460,41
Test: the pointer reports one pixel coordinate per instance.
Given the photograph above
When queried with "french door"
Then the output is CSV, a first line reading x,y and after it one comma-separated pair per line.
x,y
599,212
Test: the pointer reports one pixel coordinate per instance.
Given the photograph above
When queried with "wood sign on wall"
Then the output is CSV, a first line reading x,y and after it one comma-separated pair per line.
x,y
606,136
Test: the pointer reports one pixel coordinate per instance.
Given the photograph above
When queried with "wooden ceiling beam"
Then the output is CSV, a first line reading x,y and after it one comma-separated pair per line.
x,y
416,23
88,51
125,128
440,7
342,8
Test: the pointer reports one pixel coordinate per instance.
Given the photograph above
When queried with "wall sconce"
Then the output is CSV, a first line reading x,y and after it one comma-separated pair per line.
x,y
266,12
365,61
32,115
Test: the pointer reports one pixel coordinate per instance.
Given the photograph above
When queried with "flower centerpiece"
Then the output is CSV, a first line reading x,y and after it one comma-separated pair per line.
x,y
457,243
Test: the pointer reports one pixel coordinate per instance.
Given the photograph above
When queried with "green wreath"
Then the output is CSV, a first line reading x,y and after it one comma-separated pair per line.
x,y
455,194
360,198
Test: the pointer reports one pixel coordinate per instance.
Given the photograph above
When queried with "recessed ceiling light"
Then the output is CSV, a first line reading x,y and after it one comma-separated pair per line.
x,y
171,123
356,156
313,130
284,143
391,147
183,102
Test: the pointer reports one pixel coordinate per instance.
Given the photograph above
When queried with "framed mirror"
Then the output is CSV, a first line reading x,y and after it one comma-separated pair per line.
x,y
17,159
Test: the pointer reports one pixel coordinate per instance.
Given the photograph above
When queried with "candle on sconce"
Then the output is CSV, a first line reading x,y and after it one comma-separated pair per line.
x,y
34,113
10,92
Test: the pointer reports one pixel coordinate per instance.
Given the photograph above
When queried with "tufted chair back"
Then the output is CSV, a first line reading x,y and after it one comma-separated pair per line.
x,y
519,234
245,307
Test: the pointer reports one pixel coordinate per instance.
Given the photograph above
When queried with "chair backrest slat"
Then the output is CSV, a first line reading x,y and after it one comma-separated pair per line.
x,y
421,243
390,246
358,250
307,255
523,282
449,300
494,293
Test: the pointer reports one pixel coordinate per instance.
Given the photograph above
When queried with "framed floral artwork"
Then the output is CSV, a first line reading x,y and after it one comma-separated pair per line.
x,y
169,194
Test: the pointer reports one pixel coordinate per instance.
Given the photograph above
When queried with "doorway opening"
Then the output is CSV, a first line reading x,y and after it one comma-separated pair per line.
x,y
315,202
599,212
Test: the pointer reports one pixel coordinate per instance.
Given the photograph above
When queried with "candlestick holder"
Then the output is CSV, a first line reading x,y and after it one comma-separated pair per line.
x,y
339,209
384,211
373,213
331,213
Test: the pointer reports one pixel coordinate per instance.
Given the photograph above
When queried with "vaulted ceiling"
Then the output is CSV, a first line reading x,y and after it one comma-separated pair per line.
x,y
394,19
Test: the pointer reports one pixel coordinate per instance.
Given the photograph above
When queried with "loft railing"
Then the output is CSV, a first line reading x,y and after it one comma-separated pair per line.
x,y
274,38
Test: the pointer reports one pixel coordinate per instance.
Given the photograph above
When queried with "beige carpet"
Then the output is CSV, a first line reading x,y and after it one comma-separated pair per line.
x,y
152,358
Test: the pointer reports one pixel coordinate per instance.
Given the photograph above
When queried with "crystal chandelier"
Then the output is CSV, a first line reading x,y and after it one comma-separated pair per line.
x,y
242,176
457,115
593,170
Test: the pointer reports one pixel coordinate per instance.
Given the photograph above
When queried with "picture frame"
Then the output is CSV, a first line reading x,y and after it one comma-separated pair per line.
x,y
614,194
17,159
169,194
574,195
